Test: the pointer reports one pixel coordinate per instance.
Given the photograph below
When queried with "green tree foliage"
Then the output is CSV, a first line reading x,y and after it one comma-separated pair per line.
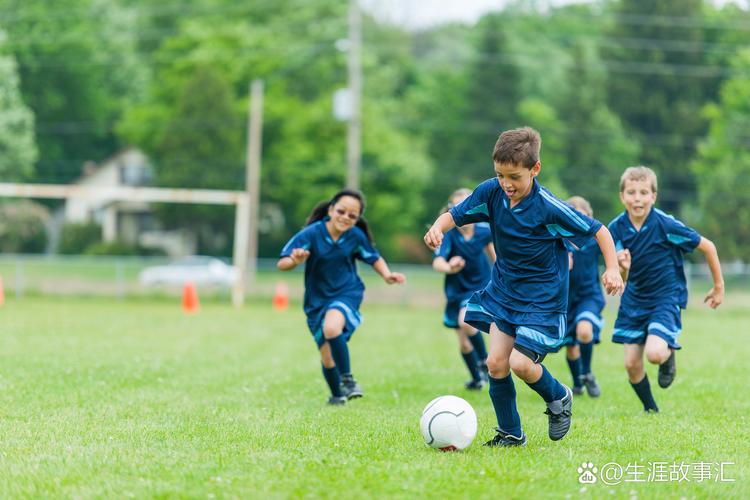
x,y
722,167
655,85
17,142
23,227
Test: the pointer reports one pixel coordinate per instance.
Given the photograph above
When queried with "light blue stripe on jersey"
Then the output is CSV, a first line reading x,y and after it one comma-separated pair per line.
x,y
364,253
565,209
352,316
589,316
476,308
555,229
631,334
479,209
677,239
663,329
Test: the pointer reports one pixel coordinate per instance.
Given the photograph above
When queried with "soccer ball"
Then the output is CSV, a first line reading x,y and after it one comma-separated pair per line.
x,y
448,423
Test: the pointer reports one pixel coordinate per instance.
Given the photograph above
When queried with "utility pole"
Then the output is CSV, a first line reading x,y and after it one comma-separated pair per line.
x,y
252,180
354,66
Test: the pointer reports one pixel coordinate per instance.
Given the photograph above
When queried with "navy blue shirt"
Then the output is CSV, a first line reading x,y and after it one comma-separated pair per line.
x,y
476,273
330,270
531,270
584,276
656,274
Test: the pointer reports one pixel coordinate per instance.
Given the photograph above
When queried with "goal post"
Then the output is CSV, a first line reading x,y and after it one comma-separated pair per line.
x,y
240,199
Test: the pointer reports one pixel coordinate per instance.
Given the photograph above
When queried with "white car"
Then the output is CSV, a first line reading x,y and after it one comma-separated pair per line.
x,y
196,269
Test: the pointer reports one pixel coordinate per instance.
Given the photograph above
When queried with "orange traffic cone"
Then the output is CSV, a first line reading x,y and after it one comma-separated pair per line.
x,y
2,292
190,304
281,296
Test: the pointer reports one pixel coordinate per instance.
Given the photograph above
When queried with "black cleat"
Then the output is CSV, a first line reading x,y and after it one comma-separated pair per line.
x,y
560,415
474,385
503,439
350,388
667,371
591,386
337,401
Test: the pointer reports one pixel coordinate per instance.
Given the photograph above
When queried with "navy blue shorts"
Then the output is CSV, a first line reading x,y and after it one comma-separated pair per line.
x,y
663,321
351,314
541,333
586,310
452,309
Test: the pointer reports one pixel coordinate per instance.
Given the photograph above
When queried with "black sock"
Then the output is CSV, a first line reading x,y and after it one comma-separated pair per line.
x,y
477,341
587,350
333,380
503,396
340,354
470,358
643,390
575,370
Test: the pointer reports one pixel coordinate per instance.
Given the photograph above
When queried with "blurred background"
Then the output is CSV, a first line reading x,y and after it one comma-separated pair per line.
x,y
403,99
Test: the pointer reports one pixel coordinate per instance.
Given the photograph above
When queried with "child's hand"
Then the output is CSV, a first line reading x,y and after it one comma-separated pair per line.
x,y
623,258
395,278
434,238
299,255
457,263
612,282
715,297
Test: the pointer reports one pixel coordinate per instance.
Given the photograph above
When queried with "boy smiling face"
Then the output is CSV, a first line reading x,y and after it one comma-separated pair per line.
x,y
638,197
516,180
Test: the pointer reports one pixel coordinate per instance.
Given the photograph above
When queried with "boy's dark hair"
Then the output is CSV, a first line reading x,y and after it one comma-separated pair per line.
x,y
320,211
519,146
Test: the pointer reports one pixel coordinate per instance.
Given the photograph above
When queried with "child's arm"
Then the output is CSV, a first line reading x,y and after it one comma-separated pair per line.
x,y
442,225
490,251
298,256
715,296
623,260
381,267
452,266
611,279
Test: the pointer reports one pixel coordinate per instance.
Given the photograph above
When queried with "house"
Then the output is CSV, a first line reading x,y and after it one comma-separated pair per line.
x,y
132,222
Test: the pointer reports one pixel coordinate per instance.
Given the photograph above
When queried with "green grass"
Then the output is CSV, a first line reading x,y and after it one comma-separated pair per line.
x,y
100,398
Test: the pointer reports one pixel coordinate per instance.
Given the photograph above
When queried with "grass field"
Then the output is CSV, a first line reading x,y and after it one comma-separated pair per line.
x,y
100,398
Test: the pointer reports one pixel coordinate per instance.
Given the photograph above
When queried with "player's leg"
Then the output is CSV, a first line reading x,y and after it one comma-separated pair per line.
x,y
585,336
638,377
333,329
470,359
503,391
526,363
573,357
664,328
331,375
660,353
476,338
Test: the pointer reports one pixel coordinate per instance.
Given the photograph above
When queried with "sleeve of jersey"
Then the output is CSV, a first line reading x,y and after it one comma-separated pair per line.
x,y
300,240
567,222
475,208
365,251
680,235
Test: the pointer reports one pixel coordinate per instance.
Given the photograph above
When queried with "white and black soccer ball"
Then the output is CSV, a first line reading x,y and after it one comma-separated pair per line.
x,y
448,423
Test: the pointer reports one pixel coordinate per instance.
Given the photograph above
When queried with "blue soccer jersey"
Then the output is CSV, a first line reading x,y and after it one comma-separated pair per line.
x,y
656,274
530,274
584,276
476,272
331,279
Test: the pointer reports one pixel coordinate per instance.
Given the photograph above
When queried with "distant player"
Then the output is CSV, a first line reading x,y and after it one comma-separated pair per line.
x,y
651,245
464,257
585,304
523,306
335,235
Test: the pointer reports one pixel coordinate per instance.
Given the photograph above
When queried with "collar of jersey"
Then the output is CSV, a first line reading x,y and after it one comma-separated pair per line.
x,y
522,205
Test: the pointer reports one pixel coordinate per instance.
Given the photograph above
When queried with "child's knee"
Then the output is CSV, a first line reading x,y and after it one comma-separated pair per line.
x,y
498,366
331,332
573,352
657,355
633,364
584,332
521,365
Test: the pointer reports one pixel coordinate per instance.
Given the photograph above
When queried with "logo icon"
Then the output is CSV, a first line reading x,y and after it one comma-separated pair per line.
x,y
587,473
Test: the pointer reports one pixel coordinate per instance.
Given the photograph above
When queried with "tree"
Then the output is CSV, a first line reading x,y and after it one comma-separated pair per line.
x,y
722,167
18,149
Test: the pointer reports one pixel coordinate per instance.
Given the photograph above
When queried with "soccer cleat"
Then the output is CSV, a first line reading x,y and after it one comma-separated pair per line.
x,y
337,401
484,371
560,415
474,385
577,390
667,371
591,386
503,439
350,388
